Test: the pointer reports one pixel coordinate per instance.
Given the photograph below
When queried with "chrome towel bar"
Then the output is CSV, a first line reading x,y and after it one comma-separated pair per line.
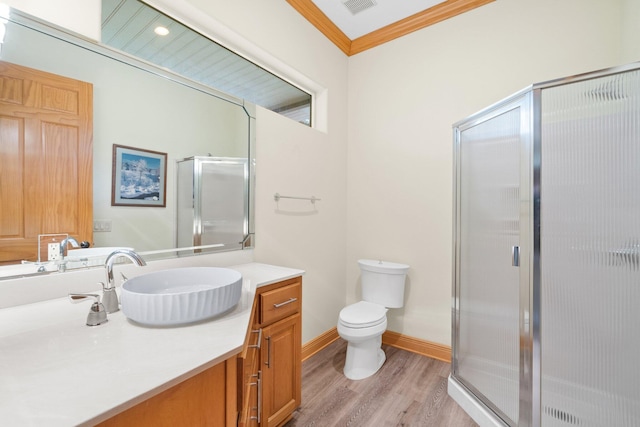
x,y
312,199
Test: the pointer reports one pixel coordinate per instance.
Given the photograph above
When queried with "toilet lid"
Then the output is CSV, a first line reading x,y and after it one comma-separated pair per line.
x,y
362,315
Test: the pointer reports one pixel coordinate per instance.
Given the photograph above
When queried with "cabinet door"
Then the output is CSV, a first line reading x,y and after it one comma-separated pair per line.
x,y
281,368
206,399
46,124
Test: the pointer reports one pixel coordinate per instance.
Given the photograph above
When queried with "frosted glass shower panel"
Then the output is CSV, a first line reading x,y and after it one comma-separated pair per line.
x,y
212,202
223,202
489,227
590,252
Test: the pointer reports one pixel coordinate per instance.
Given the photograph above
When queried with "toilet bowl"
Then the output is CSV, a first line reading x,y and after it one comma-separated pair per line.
x,y
362,324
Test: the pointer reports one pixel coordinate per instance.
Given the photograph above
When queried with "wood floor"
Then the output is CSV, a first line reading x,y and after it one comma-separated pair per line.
x,y
409,390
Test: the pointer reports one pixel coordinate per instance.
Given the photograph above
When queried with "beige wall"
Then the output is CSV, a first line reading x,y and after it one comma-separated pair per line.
x,y
80,16
292,159
295,160
403,98
382,165
630,30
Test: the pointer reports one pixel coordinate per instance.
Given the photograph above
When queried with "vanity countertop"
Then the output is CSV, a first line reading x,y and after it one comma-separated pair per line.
x,y
56,371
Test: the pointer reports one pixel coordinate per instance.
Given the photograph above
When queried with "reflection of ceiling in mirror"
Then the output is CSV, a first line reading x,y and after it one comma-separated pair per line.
x,y
130,26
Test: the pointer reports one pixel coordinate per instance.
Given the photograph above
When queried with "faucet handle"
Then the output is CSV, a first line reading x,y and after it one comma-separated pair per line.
x,y
110,298
97,313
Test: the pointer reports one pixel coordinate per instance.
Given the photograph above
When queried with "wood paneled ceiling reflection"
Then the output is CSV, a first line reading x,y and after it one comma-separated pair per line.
x,y
128,25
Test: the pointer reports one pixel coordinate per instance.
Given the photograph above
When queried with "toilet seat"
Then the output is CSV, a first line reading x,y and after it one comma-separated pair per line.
x,y
363,314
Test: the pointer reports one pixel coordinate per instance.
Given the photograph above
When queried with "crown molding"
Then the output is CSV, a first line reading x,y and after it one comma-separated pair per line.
x,y
315,16
433,15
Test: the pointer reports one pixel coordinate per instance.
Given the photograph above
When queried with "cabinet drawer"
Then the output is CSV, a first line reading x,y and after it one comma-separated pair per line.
x,y
279,303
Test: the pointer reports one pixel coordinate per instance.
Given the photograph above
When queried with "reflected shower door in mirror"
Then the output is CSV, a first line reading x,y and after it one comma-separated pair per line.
x,y
134,104
211,204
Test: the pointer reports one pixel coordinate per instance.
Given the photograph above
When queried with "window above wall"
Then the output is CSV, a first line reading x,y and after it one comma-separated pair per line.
x,y
140,30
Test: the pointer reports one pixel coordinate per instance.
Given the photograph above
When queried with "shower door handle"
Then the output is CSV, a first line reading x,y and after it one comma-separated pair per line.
x,y
515,256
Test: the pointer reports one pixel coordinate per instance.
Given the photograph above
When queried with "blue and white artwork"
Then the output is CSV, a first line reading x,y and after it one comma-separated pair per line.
x,y
140,177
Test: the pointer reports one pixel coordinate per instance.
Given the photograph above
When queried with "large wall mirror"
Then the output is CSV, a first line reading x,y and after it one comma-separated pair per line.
x,y
136,104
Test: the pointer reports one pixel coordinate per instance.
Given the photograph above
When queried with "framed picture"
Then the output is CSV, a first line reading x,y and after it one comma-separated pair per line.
x,y
139,177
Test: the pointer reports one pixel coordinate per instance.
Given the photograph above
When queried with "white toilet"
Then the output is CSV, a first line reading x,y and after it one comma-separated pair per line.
x,y
363,323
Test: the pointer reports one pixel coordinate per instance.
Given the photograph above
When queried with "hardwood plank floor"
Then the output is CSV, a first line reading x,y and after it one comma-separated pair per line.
x,y
409,390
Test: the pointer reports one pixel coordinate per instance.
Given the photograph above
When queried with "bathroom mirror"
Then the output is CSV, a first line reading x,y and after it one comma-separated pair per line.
x,y
136,104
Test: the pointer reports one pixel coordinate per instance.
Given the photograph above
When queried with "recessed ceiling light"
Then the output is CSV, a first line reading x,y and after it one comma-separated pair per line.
x,y
161,31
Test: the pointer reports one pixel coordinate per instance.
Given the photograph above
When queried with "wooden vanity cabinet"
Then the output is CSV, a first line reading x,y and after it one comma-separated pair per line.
x,y
270,365
249,381
261,387
206,399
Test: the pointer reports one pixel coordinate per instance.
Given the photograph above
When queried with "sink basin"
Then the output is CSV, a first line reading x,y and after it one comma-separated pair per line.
x,y
180,295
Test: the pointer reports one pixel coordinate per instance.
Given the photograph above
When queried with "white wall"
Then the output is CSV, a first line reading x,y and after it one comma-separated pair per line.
x,y
404,97
383,167
80,16
293,159
630,30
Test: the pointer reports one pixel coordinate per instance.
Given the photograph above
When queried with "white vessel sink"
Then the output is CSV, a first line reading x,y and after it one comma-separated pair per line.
x,y
181,295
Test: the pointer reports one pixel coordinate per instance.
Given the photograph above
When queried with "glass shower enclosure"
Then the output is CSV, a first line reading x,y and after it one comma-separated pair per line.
x,y
212,203
546,328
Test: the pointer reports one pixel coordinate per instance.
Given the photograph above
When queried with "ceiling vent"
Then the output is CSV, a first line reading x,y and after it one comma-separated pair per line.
x,y
357,6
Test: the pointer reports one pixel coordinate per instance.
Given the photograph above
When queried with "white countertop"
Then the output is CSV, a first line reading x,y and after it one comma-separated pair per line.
x,y
56,371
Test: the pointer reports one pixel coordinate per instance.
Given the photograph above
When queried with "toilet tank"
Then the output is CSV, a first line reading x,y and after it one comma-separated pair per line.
x,y
383,282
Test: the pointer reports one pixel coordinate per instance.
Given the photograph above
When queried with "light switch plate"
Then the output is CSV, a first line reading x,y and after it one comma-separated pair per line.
x,y
102,225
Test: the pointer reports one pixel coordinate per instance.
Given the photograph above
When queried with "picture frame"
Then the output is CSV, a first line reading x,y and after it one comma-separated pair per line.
x,y
139,177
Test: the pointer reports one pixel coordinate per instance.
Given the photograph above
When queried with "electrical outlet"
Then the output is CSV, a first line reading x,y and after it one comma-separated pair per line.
x,y
53,251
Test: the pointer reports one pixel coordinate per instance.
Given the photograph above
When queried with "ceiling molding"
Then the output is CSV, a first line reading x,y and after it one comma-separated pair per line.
x,y
433,15
313,14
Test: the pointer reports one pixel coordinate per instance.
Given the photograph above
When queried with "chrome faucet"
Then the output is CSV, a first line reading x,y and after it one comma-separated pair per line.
x,y
65,242
62,266
97,314
110,298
